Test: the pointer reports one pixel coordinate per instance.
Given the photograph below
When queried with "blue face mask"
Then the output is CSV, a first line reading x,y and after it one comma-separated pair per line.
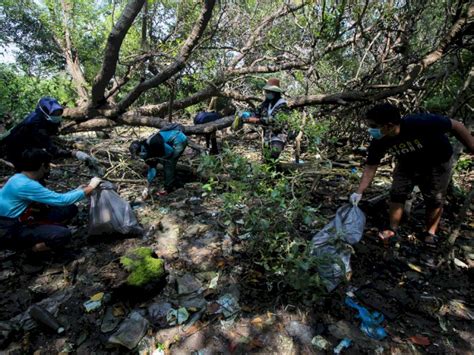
x,y
270,95
54,119
143,152
376,133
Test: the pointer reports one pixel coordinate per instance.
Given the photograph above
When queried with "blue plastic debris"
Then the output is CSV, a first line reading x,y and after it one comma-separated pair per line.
x,y
344,344
370,321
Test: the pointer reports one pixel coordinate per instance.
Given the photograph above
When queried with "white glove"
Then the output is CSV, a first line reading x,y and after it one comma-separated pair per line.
x,y
95,181
355,198
145,193
82,156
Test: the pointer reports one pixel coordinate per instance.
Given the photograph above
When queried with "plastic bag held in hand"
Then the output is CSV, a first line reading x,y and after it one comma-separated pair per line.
x,y
355,198
95,181
110,214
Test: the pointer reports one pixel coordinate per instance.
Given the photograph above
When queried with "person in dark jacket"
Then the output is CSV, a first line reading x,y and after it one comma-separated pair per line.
x,y
36,131
423,153
31,215
166,146
270,114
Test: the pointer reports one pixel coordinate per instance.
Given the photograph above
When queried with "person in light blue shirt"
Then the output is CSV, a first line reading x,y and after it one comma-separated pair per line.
x,y
31,214
165,146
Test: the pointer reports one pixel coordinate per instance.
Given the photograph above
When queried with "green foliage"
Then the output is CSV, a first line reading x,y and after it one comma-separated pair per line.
x,y
143,267
20,92
465,164
275,217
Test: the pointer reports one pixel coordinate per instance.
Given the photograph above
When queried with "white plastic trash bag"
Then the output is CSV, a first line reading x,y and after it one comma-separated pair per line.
x,y
110,213
332,244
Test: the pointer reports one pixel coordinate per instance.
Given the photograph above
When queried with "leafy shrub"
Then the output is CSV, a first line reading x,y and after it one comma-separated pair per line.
x,y
274,216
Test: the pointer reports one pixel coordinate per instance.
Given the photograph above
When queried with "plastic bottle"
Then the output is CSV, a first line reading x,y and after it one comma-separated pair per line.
x,y
42,316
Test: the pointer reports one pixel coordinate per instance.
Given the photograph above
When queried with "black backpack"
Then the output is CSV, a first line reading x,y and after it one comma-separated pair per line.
x,y
205,117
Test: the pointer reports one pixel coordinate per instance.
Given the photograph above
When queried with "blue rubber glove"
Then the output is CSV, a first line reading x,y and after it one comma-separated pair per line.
x,y
151,174
246,114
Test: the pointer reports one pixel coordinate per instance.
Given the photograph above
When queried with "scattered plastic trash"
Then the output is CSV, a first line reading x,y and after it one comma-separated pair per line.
x,y
163,210
42,316
456,309
245,236
7,329
227,246
344,344
213,282
157,313
188,284
300,331
370,321
177,316
229,305
99,296
460,263
420,340
131,331
109,322
91,306
415,268
333,244
320,342
95,302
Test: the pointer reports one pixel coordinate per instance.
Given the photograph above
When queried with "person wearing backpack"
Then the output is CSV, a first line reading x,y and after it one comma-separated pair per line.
x,y
31,215
270,114
166,145
36,131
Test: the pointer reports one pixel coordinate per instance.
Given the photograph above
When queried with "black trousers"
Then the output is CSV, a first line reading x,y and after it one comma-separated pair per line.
x,y
46,227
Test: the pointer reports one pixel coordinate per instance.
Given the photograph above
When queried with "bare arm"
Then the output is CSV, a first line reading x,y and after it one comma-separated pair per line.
x,y
367,177
252,120
463,135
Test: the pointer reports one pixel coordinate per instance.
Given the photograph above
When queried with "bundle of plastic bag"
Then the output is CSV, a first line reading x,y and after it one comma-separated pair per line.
x,y
110,214
332,244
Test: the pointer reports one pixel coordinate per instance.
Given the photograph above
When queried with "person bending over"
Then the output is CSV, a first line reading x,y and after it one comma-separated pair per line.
x,y
423,157
166,146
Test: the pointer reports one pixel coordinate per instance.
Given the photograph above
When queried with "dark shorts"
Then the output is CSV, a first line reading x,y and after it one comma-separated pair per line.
x,y
433,182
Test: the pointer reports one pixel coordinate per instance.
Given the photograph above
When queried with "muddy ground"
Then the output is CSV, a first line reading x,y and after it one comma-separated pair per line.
x,y
425,297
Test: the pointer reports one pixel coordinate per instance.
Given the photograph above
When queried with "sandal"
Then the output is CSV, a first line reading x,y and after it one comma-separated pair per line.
x,y
388,240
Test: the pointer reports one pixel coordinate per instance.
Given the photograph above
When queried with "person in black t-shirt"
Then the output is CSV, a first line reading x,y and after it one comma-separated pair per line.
x,y
423,153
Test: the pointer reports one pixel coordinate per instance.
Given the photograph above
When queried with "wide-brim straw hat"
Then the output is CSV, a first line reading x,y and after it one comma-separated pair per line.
x,y
273,84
